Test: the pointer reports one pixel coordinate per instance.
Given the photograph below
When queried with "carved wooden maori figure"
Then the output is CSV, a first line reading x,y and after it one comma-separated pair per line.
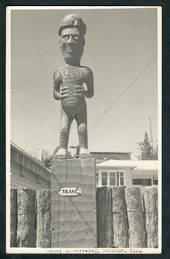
x,y
72,84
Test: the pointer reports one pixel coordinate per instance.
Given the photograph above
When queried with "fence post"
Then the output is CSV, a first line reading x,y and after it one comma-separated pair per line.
x,y
120,218
26,218
151,215
135,211
104,217
43,198
13,217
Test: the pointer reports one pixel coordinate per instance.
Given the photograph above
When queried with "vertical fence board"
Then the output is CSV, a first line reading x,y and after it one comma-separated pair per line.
x,y
137,229
120,218
26,218
43,218
151,210
88,200
104,218
13,218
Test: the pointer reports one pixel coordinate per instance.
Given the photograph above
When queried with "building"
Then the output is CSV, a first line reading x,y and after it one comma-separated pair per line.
x,y
27,171
103,156
127,173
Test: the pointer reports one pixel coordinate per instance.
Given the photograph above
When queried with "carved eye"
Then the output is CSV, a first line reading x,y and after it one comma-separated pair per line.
x,y
71,37
65,37
76,37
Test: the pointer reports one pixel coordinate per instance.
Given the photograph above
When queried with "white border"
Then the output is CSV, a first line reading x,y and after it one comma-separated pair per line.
x,y
8,83
76,7
8,133
84,251
159,75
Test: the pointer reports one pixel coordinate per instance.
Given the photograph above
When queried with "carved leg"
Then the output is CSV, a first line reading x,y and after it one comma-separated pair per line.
x,y
82,133
81,119
65,122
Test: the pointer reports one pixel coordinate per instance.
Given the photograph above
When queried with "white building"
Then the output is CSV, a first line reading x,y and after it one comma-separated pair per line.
x,y
127,173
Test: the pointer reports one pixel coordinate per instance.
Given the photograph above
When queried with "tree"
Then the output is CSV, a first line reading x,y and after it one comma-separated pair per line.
x,y
147,152
155,153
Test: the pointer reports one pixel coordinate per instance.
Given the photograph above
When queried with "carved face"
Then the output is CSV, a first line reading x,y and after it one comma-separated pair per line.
x,y
71,45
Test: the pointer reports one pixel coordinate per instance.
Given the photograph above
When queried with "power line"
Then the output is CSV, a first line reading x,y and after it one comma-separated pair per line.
x,y
123,92
124,114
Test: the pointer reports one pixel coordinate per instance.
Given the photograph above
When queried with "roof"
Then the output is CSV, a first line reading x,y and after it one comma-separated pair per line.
x,y
103,152
13,145
137,164
147,165
103,156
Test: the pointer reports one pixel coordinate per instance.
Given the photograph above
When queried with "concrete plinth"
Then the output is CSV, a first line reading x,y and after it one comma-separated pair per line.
x,y
73,203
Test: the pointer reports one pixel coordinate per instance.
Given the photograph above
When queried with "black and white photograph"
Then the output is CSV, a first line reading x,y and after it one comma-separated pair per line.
x,y
83,145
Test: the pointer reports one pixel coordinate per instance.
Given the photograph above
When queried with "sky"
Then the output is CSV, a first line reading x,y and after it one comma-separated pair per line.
x,y
120,48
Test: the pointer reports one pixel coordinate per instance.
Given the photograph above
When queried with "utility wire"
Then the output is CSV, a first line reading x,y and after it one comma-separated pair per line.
x,y
124,114
123,92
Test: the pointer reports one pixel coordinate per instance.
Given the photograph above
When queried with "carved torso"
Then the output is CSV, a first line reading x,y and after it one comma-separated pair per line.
x,y
71,76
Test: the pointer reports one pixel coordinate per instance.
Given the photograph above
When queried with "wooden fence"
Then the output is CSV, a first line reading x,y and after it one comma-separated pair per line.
x,y
30,219
126,217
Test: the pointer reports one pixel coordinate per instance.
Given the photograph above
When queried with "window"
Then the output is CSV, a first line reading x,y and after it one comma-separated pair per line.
x,y
17,157
35,168
121,178
31,166
23,160
144,182
20,159
12,156
38,179
155,181
104,178
26,162
112,178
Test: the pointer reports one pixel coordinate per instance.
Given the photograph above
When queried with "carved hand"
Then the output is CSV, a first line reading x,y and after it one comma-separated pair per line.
x,y
76,91
64,92
79,90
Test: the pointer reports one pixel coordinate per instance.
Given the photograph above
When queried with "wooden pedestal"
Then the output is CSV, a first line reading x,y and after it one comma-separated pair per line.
x,y
73,211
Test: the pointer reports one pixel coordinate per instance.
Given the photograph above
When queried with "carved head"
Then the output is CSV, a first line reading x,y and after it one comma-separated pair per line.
x,y
72,31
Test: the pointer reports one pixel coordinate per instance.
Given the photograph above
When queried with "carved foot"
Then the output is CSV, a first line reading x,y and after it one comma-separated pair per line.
x,y
84,153
61,154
